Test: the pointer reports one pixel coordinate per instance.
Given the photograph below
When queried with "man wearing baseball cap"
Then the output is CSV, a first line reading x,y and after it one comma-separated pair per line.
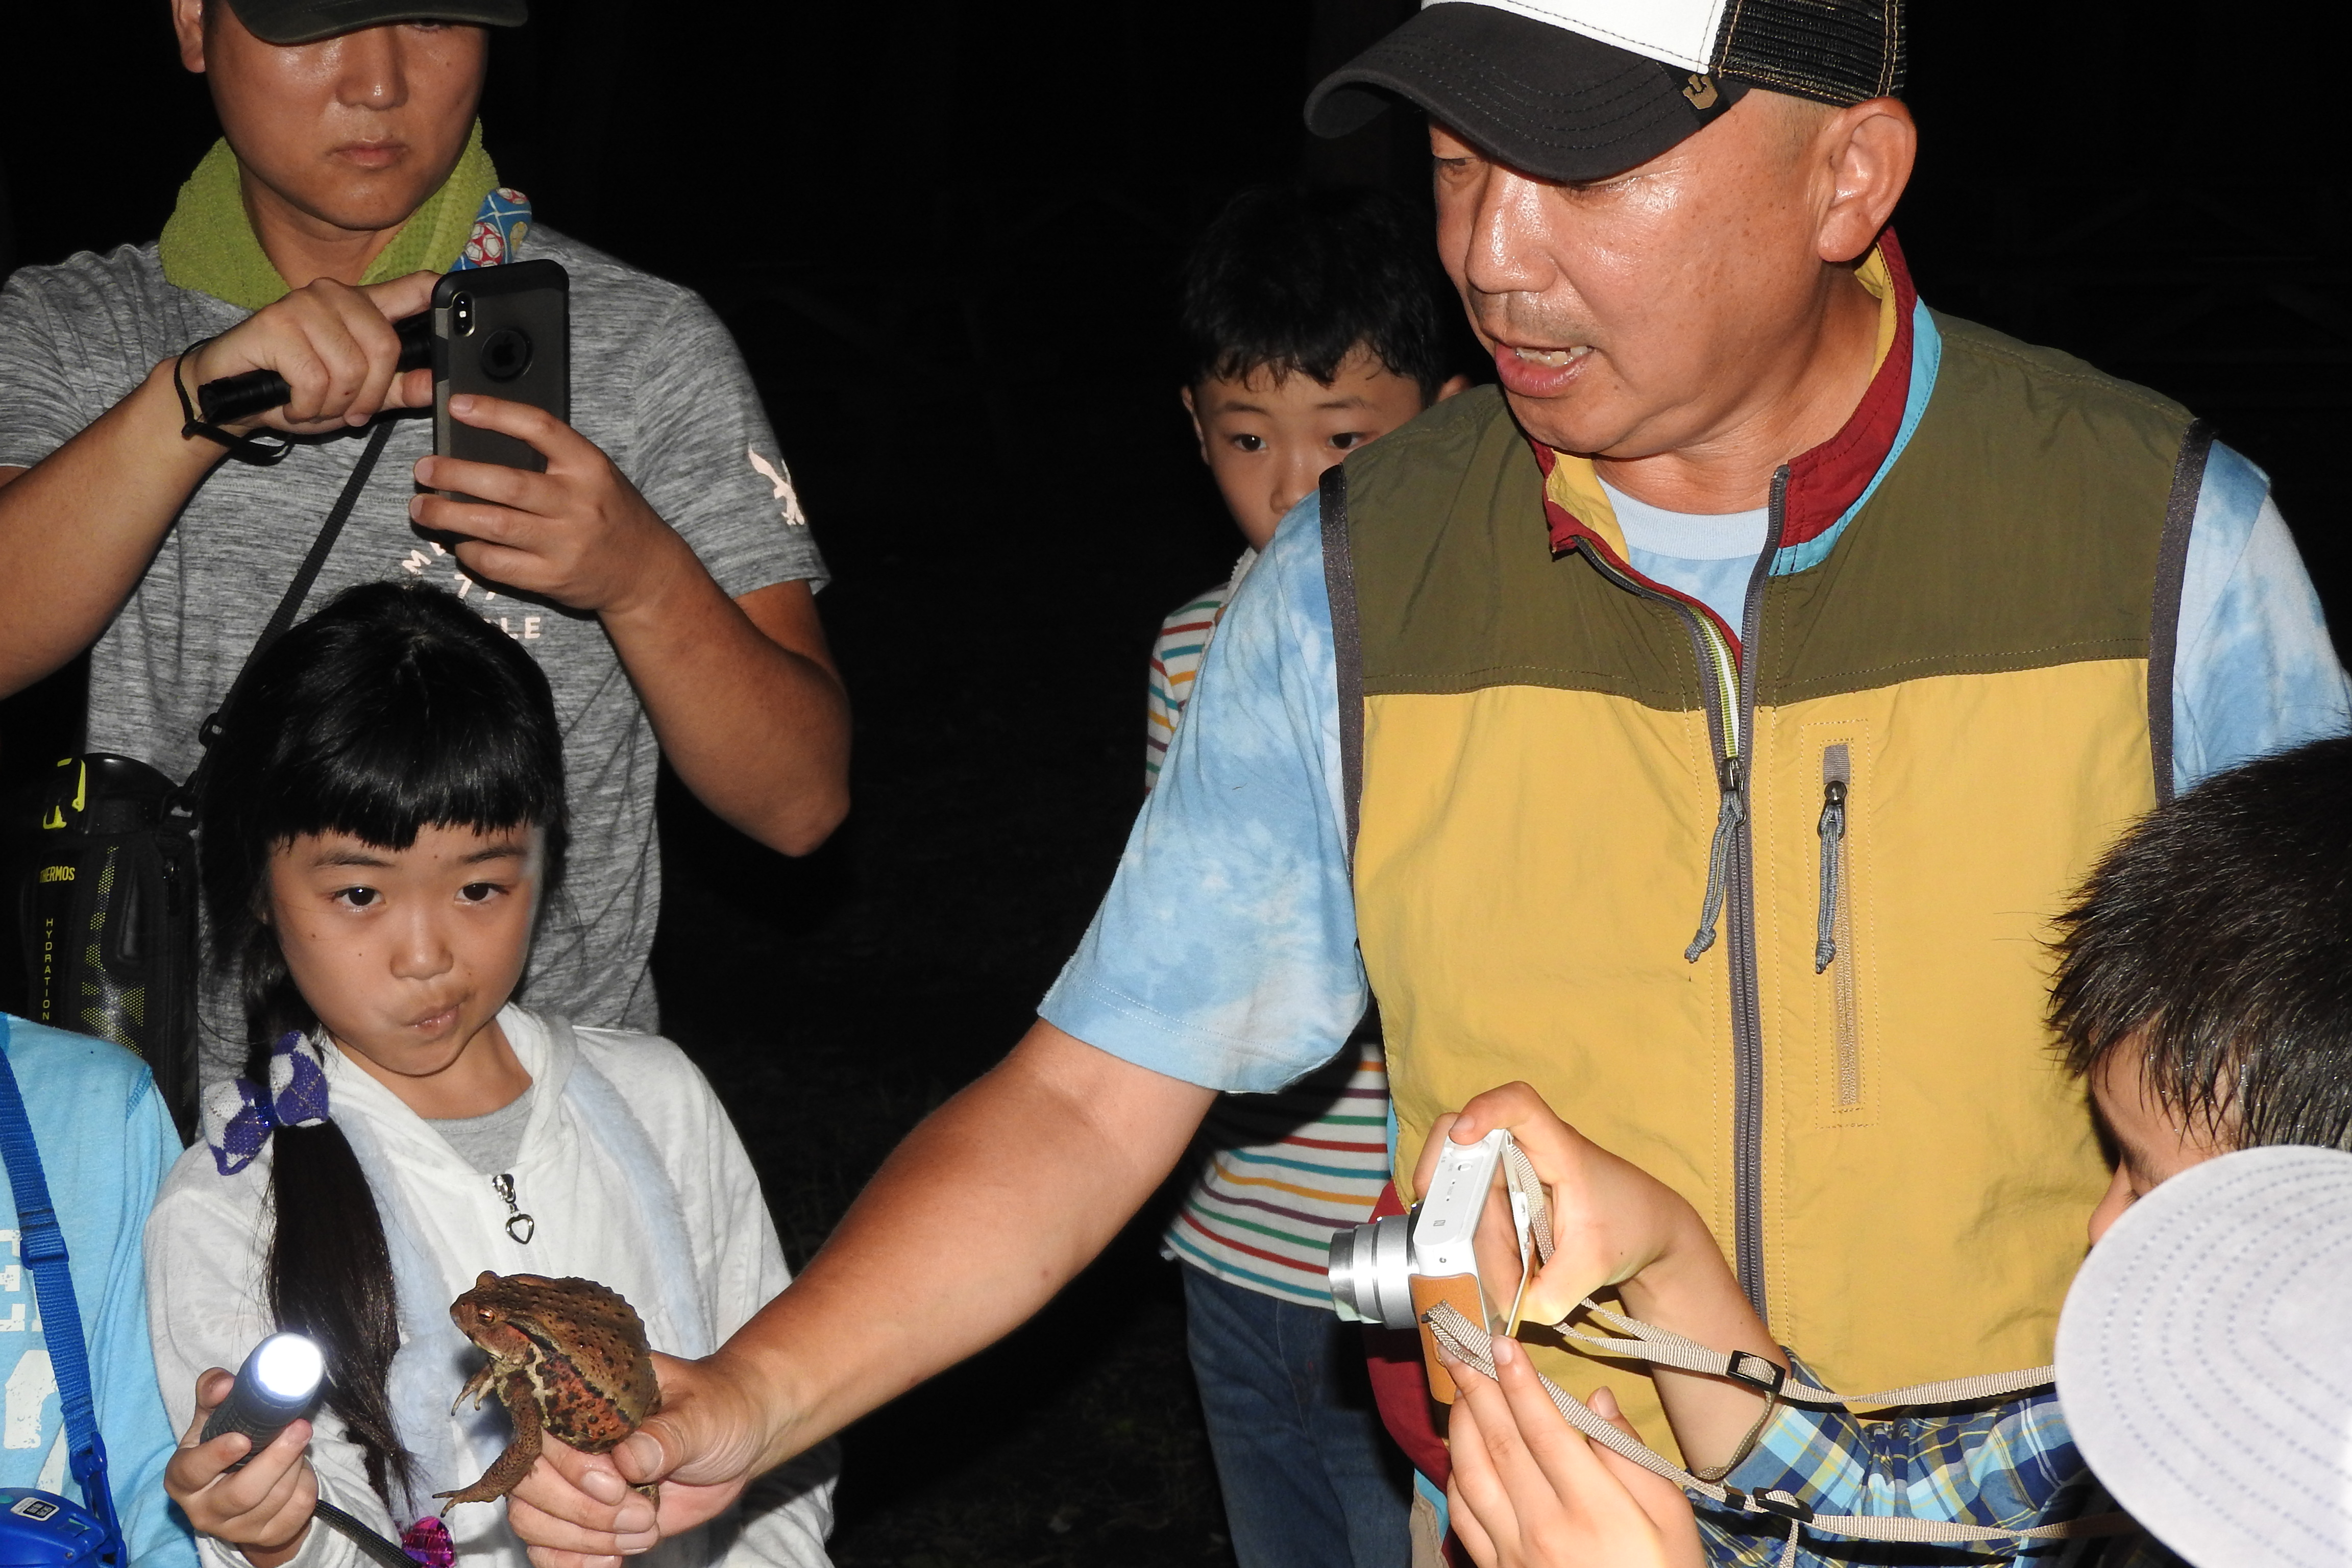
x,y
660,569
1701,727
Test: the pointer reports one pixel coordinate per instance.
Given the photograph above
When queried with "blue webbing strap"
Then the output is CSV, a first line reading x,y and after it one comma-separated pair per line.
x,y
43,1247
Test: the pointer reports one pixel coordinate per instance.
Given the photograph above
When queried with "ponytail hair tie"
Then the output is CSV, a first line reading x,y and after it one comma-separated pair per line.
x,y
239,1115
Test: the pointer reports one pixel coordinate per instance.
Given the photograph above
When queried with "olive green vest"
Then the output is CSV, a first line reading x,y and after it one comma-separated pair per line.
x,y
1947,718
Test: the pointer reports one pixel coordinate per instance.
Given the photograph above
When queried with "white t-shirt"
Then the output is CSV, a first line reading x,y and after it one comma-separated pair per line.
x,y
207,1246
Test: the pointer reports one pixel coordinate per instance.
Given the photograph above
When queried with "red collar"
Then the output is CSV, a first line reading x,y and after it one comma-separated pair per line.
x,y
1826,480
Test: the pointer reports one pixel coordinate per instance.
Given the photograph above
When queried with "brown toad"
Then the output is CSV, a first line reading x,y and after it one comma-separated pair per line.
x,y
567,1356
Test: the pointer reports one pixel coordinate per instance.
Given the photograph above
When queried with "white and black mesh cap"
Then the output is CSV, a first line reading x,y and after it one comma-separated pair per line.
x,y
2202,1359
1578,90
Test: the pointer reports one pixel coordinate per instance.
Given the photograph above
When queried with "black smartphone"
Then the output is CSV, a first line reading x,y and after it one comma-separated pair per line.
x,y
503,332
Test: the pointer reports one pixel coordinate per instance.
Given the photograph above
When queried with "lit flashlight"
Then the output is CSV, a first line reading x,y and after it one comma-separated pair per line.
x,y
278,1384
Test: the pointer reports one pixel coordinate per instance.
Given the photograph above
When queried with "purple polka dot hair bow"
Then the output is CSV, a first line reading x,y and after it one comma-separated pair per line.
x,y
240,1115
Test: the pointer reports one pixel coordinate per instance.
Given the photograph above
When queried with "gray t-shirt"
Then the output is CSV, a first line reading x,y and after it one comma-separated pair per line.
x,y
488,1142
656,383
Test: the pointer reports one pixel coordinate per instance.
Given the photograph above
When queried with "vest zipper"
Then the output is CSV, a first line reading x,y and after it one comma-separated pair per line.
x,y
1731,801
1727,683
1833,929
1719,694
1746,1009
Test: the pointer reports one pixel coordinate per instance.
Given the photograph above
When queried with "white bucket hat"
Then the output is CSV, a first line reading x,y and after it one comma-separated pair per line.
x,y
2205,1366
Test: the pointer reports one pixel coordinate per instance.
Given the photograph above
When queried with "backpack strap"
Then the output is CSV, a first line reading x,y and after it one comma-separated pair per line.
x,y
290,604
43,1246
1347,642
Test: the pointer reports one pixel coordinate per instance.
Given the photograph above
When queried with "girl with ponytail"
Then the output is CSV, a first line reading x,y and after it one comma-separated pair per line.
x,y
384,821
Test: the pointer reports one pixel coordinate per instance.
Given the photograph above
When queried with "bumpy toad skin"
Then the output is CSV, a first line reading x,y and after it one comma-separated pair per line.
x,y
567,1357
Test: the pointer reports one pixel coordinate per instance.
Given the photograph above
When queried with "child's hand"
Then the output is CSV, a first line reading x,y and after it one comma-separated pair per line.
x,y
264,1509
1614,1224
1610,1220
1528,1490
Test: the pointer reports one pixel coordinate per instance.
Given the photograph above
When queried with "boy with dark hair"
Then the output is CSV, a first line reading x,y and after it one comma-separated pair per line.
x,y
2203,993
1312,324
2210,959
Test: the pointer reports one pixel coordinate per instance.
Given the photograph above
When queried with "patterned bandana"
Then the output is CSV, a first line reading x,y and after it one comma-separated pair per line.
x,y
209,243
239,1115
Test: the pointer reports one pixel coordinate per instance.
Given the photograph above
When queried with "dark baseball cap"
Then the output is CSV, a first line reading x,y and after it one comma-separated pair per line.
x,y
306,21
1580,90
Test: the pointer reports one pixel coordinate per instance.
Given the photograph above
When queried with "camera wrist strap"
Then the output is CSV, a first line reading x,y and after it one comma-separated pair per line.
x,y
290,604
1663,1347
42,1245
1470,1343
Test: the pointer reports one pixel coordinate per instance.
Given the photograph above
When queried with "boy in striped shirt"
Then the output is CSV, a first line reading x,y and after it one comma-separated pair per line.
x,y
1312,320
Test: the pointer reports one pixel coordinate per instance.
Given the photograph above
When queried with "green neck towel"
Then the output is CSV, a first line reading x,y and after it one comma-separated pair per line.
x,y
209,243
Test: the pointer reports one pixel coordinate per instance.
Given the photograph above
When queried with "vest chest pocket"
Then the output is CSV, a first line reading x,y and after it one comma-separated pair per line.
x,y
1841,959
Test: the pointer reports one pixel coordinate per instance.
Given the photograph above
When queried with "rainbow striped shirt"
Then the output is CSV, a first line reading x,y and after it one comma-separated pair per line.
x,y
1276,1173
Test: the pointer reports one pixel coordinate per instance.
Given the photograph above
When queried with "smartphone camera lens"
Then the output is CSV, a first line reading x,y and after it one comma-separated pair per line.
x,y
461,315
507,354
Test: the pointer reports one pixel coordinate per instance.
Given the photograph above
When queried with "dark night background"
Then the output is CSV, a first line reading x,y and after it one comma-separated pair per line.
x,y
944,233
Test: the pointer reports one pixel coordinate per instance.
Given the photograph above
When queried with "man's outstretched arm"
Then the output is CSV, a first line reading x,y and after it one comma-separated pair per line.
x,y
992,1205
984,1211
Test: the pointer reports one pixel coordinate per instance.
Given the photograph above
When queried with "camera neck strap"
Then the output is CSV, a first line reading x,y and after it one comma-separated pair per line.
x,y
1470,1343
290,604
42,1245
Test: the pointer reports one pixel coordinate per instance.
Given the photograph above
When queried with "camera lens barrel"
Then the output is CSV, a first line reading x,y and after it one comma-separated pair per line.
x,y
1371,1272
279,1384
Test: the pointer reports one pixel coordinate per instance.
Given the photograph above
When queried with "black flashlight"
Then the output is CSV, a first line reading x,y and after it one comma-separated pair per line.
x,y
279,1384
252,391
283,1382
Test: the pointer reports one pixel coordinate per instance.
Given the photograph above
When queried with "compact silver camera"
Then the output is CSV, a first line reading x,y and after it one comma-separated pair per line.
x,y
1392,1271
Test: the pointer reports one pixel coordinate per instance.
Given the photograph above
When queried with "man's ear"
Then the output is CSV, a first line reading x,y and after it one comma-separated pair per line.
x,y
1453,385
188,28
1871,148
1194,414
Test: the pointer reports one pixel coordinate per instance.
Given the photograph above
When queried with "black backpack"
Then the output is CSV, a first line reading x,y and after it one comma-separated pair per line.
x,y
106,910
